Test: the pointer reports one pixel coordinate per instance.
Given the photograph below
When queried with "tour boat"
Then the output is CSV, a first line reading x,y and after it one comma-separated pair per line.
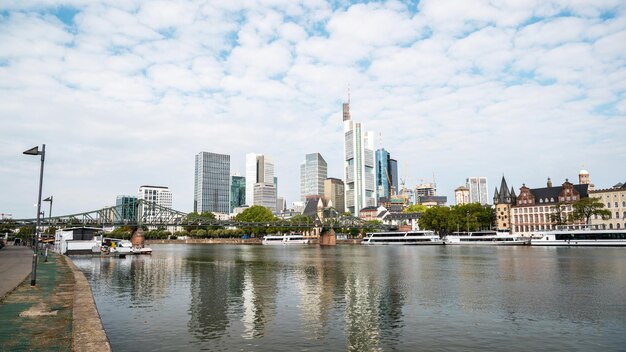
x,y
486,238
402,238
581,237
286,239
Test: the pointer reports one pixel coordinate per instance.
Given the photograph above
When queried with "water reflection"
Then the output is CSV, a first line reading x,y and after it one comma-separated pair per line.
x,y
360,299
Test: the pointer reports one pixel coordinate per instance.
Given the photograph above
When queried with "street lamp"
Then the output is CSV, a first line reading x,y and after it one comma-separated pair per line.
x,y
49,199
35,151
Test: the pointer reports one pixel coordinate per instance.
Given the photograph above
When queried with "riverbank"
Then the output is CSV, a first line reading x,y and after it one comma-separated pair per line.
x,y
250,241
57,314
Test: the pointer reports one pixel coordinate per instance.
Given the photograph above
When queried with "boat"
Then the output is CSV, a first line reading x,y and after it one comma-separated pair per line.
x,y
285,239
116,247
142,250
402,238
580,237
486,237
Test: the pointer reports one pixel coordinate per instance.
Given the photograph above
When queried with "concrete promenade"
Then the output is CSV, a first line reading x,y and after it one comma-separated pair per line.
x,y
58,314
15,266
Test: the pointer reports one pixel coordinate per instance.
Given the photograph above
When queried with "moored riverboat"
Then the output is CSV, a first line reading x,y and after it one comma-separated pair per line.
x,y
485,237
402,238
285,240
580,237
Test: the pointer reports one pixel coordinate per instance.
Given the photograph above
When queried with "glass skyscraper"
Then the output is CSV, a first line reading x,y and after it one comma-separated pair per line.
x,y
237,192
212,183
386,174
126,207
313,172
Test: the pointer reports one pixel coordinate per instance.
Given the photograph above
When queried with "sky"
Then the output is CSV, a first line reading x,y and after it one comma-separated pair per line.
x,y
125,93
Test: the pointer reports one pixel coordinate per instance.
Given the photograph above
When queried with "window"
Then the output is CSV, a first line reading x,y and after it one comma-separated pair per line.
x,y
562,199
540,200
617,214
551,199
618,225
616,205
610,226
608,205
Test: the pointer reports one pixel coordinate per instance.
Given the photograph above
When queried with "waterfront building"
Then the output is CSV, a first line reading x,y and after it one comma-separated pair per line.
x,y
503,200
614,200
260,181
237,191
313,172
359,173
478,192
157,196
533,208
212,183
461,195
126,207
386,174
334,190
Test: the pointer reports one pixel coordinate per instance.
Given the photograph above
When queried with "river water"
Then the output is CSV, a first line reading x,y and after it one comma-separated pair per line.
x,y
362,298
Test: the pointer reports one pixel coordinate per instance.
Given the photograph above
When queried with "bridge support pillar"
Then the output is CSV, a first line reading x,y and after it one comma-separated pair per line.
x,y
328,238
137,237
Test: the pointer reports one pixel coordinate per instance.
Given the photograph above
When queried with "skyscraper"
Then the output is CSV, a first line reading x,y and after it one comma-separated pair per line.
x,y
237,191
260,181
359,174
126,207
386,174
335,192
157,196
212,183
313,172
477,189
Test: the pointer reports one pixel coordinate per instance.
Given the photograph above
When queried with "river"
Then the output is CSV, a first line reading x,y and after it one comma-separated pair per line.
x,y
362,298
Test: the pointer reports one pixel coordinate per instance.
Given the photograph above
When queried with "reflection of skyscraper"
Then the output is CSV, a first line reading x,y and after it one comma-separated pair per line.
x,y
359,175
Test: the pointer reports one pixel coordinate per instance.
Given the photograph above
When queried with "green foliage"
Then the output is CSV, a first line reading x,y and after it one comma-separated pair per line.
x,y
472,217
415,208
257,213
122,232
7,226
586,207
558,216
198,218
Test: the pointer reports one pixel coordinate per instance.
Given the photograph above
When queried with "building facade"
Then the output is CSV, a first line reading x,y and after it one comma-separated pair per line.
x,y
359,165
386,174
313,172
614,200
478,191
461,195
503,200
260,181
335,192
237,192
212,183
126,207
157,196
533,208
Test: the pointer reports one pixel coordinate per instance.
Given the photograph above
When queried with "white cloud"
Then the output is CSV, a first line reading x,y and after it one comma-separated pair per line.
x,y
456,88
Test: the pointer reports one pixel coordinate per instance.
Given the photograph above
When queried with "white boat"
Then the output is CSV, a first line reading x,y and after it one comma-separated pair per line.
x,y
402,238
142,250
285,240
498,238
581,237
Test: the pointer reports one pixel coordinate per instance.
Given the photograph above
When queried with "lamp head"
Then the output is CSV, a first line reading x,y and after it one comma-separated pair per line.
x,y
32,151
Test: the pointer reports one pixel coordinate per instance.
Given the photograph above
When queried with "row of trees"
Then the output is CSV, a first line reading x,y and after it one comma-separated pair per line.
x,y
466,217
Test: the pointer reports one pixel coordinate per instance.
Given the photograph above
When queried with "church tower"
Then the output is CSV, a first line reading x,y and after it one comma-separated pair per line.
x,y
503,200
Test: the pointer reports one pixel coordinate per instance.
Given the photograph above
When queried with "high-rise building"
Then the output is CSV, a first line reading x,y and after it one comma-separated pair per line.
x,y
237,191
334,190
212,183
386,174
157,196
126,207
478,189
260,181
313,172
461,195
359,165
281,205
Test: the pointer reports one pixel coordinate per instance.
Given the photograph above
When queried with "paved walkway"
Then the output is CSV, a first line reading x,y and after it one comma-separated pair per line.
x,y
15,266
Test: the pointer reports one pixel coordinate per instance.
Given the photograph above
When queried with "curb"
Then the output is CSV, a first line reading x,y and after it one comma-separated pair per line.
x,y
87,331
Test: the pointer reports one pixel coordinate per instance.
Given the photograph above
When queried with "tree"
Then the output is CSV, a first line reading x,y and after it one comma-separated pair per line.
x,y
198,218
256,213
558,216
415,208
470,217
586,207
435,218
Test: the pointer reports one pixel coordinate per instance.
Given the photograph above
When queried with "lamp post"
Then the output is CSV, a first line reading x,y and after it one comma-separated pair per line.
x,y
49,199
35,151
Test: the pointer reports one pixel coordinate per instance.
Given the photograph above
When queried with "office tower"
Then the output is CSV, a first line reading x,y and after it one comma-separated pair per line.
x,y
386,174
477,189
260,181
359,174
212,183
335,191
126,207
155,196
237,191
281,205
313,172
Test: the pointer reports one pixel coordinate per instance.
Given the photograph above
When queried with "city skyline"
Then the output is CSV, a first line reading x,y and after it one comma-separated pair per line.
x,y
123,96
